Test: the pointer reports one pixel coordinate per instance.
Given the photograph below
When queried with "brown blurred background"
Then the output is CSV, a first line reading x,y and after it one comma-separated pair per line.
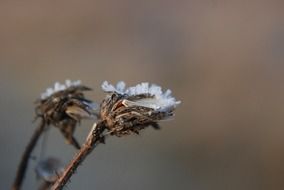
x,y
222,59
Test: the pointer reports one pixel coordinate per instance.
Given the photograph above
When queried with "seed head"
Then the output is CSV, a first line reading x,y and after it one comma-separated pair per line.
x,y
64,106
126,110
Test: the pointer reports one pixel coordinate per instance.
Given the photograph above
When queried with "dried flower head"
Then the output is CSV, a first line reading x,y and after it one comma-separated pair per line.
x,y
64,106
127,110
49,169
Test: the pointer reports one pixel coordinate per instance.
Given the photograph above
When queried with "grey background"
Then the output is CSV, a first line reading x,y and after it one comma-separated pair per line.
x,y
222,59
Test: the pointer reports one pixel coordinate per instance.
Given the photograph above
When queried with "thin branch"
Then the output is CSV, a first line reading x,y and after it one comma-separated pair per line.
x,y
26,156
95,137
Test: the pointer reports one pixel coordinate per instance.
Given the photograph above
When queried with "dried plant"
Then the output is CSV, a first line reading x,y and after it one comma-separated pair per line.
x,y
62,106
126,111
123,111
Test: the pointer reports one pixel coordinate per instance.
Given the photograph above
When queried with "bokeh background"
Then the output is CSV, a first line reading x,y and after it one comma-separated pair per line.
x,y
222,59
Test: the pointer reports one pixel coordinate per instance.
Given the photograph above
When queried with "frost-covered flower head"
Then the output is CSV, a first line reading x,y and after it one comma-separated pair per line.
x,y
131,109
64,106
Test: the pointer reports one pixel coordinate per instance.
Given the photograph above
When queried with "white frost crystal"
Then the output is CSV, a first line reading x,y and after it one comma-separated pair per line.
x,y
59,87
160,100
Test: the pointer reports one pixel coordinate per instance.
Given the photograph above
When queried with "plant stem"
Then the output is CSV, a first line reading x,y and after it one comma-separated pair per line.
x,y
95,137
26,156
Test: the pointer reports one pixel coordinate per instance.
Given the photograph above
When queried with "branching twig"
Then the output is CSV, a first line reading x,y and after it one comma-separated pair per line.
x,y
94,137
26,156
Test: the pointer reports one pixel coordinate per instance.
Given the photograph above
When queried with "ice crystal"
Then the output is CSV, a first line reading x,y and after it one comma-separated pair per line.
x,y
59,87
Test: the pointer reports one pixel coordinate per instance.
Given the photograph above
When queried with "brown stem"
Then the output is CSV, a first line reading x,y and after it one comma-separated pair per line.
x,y
26,156
94,137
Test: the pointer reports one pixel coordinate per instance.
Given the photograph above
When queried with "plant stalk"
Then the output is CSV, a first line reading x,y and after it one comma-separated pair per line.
x,y
26,156
94,138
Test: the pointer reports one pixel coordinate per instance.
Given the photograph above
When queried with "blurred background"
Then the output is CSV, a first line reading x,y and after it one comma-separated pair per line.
x,y
222,59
